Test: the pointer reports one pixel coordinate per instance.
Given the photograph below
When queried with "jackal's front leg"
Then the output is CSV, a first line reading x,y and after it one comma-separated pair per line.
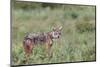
x,y
48,48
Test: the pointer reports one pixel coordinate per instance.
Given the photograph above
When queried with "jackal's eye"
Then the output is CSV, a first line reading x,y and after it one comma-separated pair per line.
x,y
55,33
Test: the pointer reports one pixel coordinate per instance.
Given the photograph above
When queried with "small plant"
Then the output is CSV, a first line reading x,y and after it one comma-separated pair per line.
x,y
74,15
85,27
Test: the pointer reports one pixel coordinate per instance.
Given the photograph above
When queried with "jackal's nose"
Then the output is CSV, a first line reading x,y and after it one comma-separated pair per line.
x,y
58,36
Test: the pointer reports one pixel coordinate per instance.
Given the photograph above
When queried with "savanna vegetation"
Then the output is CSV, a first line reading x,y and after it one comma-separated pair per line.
x,y
77,42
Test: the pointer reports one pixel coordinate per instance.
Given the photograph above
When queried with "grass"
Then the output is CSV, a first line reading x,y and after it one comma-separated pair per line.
x,y
77,42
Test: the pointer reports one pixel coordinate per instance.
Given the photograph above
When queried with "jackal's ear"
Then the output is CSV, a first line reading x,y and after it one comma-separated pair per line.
x,y
53,28
60,28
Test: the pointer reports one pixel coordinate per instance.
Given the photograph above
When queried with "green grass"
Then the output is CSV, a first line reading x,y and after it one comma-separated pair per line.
x,y
77,42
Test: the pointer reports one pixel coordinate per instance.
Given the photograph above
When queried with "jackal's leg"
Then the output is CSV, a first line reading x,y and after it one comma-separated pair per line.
x,y
48,48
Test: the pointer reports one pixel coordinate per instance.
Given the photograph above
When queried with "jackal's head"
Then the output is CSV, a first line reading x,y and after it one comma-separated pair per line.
x,y
56,32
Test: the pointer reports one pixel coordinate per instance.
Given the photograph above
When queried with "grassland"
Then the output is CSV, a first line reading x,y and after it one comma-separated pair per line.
x,y
77,42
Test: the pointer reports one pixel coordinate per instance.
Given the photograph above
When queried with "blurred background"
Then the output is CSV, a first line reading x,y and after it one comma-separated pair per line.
x,y
77,42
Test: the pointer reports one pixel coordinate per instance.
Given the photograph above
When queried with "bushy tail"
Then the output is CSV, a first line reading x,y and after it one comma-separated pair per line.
x,y
27,44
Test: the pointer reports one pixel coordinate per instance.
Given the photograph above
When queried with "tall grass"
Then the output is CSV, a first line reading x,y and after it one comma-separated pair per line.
x,y
77,42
